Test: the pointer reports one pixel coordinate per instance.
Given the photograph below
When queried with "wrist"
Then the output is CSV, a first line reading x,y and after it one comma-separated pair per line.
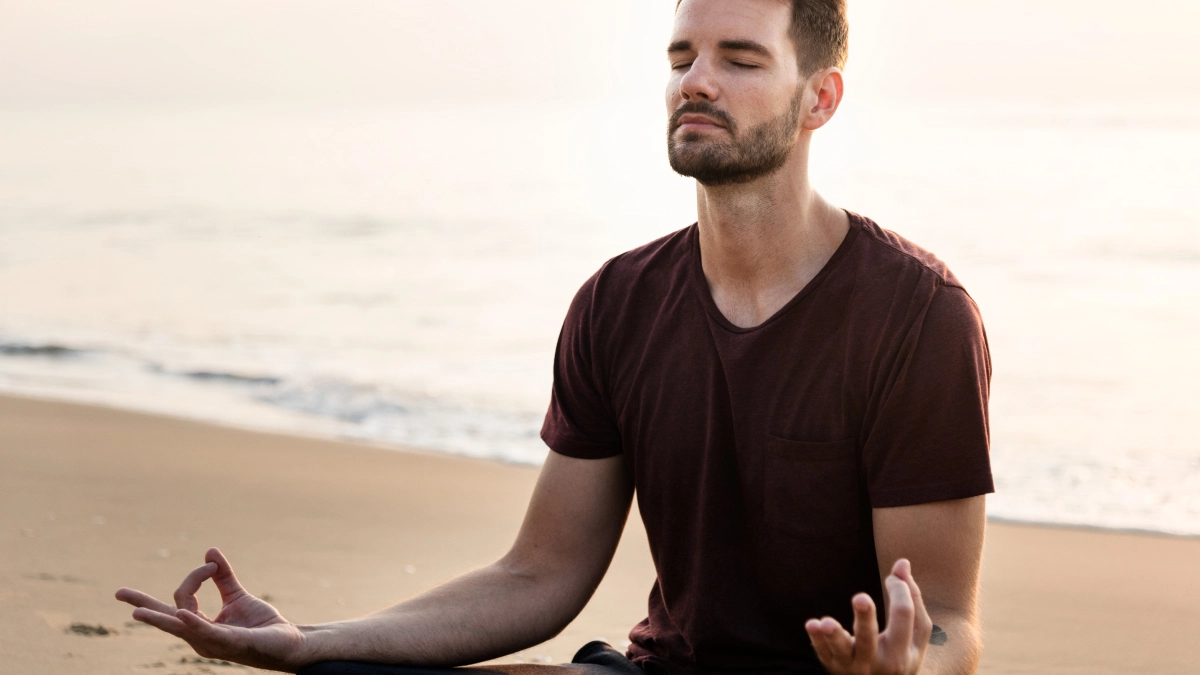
x,y
313,646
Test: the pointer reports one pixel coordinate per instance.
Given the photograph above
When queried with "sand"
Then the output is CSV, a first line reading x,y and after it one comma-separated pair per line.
x,y
94,499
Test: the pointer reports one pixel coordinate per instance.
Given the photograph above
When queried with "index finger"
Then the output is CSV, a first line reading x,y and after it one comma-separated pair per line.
x,y
185,595
900,618
923,624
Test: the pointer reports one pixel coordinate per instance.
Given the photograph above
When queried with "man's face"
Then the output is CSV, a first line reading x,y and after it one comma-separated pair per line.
x,y
735,92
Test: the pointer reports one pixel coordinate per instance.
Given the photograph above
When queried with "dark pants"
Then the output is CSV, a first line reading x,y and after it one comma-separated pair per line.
x,y
595,658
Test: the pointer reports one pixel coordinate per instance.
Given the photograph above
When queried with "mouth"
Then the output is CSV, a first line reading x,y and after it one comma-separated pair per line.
x,y
695,122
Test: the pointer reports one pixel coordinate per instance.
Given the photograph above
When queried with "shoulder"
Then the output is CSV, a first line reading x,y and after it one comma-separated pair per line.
x,y
890,256
664,255
637,273
902,293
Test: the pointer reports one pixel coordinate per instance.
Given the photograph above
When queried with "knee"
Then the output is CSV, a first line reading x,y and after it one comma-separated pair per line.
x,y
359,668
332,668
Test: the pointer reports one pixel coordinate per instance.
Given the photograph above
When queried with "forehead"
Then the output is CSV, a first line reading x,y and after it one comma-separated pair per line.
x,y
764,21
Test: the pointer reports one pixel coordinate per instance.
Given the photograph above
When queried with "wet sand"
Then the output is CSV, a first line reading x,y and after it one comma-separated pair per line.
x,y
94,499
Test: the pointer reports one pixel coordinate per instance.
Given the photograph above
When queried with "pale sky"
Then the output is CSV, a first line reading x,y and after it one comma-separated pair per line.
x,y
363,51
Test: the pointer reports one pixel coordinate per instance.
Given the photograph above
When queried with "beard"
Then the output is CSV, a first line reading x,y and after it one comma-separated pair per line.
x,y
758,152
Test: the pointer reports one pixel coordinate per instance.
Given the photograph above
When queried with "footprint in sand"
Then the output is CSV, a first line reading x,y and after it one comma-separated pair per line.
x,y
90,630
201,661
46,576
62,621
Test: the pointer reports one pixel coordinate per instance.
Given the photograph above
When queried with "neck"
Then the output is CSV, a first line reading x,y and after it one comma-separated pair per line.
x,y
762,242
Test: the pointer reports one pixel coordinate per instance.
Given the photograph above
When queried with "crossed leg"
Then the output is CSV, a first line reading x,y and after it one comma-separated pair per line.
x,y
595,658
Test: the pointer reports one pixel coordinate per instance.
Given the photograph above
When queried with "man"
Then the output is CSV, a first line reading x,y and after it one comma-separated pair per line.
x,y
797,397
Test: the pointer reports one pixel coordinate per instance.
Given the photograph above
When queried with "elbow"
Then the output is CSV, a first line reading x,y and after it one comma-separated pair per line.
x,y
958,648
555,594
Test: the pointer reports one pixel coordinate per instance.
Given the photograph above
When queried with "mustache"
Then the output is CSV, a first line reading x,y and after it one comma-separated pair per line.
x,y
701,108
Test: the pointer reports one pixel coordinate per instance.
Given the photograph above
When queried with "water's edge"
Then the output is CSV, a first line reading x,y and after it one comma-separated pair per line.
x,y
307,424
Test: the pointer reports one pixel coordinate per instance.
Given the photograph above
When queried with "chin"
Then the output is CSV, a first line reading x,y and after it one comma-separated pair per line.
x,y
697,137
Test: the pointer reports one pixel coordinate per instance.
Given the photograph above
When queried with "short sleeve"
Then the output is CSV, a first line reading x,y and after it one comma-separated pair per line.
x,y
929,439
580,422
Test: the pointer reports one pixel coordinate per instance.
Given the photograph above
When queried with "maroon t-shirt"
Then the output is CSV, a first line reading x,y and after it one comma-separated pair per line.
x,y
758,453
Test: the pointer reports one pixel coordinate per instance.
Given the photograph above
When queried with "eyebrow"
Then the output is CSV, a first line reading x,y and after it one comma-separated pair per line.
x,y
744,46
727,45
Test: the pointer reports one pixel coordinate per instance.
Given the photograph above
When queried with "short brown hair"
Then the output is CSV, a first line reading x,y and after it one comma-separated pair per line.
x,y
821,33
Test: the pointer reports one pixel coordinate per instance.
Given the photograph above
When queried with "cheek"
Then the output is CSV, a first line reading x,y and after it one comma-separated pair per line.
x,y
772,101
672,95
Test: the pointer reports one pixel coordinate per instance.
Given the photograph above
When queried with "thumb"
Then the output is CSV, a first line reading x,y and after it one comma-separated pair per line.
x,y
224,578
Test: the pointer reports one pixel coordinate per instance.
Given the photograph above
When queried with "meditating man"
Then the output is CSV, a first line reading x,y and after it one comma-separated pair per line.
x,y
797,397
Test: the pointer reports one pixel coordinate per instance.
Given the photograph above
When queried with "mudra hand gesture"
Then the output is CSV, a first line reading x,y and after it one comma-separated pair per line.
x,y
899,650
247,630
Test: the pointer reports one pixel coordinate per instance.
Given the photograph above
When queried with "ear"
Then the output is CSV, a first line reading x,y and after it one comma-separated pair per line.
x,y
822,97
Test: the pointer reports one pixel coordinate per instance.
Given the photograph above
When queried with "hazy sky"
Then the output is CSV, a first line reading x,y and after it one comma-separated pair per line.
x,y
65,51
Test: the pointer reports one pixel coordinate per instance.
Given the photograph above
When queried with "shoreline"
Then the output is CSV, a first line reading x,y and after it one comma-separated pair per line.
x,y
312,435
96,498
1133,531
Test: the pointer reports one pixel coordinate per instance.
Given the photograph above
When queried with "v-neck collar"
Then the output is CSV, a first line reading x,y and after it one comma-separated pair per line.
x,y
700,283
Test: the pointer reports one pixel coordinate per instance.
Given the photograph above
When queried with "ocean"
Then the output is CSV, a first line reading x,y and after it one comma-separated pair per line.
x,y
398,274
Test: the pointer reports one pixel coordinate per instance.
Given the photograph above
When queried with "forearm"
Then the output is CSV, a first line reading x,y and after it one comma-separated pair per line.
x,y
955,647
485,614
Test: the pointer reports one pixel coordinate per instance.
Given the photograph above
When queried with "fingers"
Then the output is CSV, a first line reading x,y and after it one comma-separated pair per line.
x,y
834,646
185,595
216,568
922,624
199,628
168,623
817,636
901,613
211,639
840,642
866,649
205,637
140,599
866,629
224,578
152,611
185,620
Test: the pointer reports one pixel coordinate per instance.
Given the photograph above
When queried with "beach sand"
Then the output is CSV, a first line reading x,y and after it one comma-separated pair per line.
x,y
94,499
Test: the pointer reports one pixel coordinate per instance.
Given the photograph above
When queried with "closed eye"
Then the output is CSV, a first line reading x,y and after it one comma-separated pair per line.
x,y
680,66
746,66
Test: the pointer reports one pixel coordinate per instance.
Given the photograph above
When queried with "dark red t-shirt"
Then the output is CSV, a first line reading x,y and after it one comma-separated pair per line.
x,y
757,454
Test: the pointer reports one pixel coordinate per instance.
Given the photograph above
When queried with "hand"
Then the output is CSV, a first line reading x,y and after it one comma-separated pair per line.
x,y
247,630
899,650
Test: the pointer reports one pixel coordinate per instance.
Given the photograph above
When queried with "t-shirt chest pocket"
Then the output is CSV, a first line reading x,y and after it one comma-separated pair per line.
x,y
811,489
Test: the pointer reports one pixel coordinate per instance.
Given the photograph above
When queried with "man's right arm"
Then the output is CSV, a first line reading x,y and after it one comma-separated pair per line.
x,y
564,547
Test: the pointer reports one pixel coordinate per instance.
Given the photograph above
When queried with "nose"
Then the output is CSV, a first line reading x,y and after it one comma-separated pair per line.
x,y
699,83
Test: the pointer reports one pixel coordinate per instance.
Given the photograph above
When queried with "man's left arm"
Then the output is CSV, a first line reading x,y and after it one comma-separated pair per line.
x,y
929,557
943,542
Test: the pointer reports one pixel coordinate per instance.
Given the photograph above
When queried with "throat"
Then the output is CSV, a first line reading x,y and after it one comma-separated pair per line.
x,y
748,307
751,284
